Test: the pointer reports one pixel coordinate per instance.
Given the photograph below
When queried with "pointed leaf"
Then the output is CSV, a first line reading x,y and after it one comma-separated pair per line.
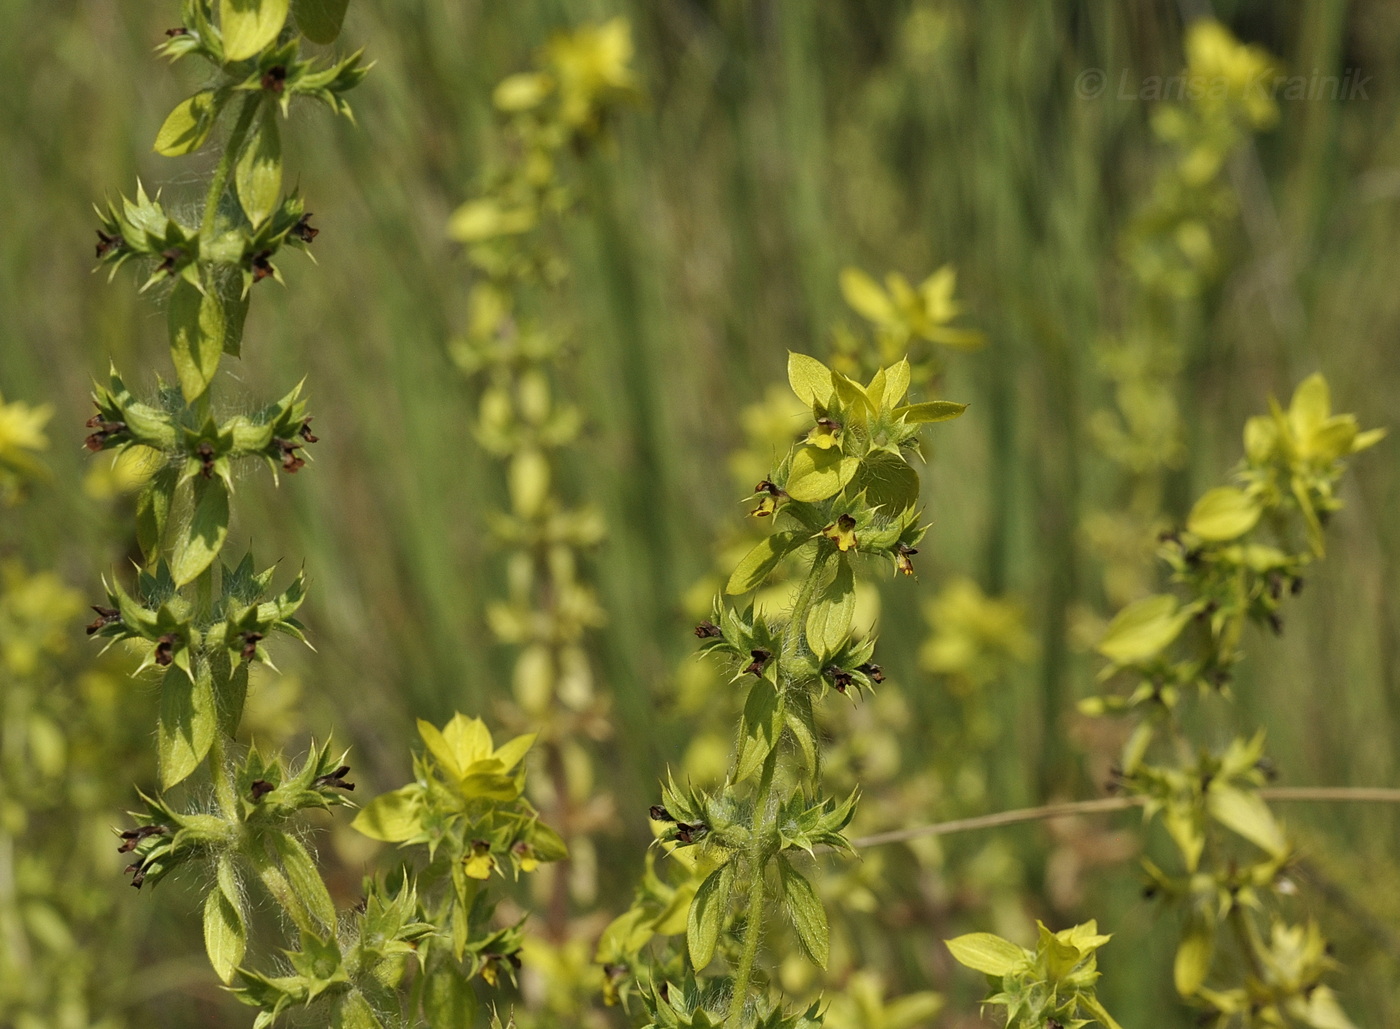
x,y
759,562
187,127
707,912
1224,513
1246,813
818,474
1143,629
250,25
258,177
829,620
225,936
809,379
931,411
197,326
201,541
761,726
392,817
188,721
807,913
320,21
986,953
889,482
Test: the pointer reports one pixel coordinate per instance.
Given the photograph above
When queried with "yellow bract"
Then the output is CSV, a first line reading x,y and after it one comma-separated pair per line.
x,y
463,750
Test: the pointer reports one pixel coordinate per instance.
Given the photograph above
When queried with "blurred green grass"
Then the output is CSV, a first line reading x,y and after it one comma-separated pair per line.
x,y
780,141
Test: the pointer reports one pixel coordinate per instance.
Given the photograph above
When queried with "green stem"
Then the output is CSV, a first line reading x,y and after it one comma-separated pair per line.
x,y
246,114
758,856
219,773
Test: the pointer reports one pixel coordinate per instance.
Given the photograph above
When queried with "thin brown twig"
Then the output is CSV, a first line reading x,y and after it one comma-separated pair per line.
x,y
1104,805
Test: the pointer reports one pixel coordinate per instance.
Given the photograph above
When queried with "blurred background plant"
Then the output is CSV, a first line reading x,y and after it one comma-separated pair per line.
x,y
779,144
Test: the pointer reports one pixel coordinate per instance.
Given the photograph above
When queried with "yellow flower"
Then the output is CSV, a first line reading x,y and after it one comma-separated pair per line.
x,y
591,66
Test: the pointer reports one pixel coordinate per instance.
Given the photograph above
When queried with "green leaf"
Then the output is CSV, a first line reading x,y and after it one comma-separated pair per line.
x,y
1143,629
250,25
805,909
809,379
761,725
1193,956
258,176
1246,813
187,127
707,911
353,1011
225,936
1224,513
197,327
889,482
986,953
392,817
800,723
896,384
200,542
759,562
320,21
187,723
818,474
448,997
1094,1007
865,295
829,620
153,511
931,411
305,897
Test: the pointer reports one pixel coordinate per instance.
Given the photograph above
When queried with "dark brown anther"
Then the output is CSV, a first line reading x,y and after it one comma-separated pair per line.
x,y
260,788
1267,768
1276,623
665,992
107,244
831,425
250,645
687,832
303,230
262,265
1275,585
1168,536
1149,892
708,631
305,432
872,671
761,658
133,837
165,649
770,495
336,779
1220,677
840,678
1296,586
137,873
361,905
168,259
274,80
660,814
614,971
205,453
105,617
903,553
291,463
181,31
514,958
105,431
1193,558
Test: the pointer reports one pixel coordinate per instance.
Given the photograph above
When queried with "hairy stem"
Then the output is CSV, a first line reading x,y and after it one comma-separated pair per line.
x,y
758,857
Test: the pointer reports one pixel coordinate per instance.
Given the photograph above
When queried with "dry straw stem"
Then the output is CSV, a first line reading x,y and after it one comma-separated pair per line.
x,y
1104,805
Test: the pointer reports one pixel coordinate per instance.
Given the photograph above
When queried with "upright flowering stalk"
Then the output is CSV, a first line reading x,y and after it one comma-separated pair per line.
x,y
1171,252
515,347
1243,552
409,952
843,494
